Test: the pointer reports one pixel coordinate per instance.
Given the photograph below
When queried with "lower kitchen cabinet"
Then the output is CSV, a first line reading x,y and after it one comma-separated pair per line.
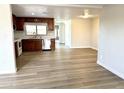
x,y
52,46
32,45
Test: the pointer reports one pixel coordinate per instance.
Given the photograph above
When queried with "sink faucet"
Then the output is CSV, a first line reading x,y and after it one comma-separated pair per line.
x,y
40,37
35,36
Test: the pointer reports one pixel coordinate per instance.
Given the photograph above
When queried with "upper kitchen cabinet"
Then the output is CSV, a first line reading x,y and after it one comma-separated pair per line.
x,y
33,19
51,24
49,21
30,19
21,20
14,19
20,23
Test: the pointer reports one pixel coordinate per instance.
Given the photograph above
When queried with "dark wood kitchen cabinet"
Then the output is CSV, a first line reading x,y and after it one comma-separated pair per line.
x,y
49,21
30,19
51,24
21,20
35,20
52,46
20,23
14,19
32,45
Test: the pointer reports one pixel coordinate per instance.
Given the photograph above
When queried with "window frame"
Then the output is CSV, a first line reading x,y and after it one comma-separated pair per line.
x,y
37,29
36,24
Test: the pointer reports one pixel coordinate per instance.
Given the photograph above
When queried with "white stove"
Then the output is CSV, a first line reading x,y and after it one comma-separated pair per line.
x,y
19,46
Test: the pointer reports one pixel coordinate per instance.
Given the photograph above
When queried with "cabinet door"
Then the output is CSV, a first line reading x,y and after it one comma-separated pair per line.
x,y
52,44
51,24
31,45
28,45
20,23
14,19
28,19
38,45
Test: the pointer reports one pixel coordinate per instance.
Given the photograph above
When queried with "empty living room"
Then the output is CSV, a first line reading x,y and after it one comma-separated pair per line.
x,y
61,46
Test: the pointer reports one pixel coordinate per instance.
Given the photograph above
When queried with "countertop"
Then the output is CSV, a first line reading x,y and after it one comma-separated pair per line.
x,y
17,39
33,37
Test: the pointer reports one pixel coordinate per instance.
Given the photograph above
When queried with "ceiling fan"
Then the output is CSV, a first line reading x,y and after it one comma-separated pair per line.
x,y
87,15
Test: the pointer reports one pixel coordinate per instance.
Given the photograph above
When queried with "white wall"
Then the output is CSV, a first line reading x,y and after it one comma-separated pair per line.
x,y
61,32
68,33
111,43
94,33
7,58
81,33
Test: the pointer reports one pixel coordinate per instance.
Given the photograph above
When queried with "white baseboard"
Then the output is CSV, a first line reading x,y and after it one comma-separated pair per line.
x,y
7,72
121,75
81,47
85,47
94,48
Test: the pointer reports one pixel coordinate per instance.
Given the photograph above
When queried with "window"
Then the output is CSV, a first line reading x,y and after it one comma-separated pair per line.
x,y
35,29
30,29
41,30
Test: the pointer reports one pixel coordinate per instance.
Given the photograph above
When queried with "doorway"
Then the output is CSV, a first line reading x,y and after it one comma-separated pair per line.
x,y
63,33
60,35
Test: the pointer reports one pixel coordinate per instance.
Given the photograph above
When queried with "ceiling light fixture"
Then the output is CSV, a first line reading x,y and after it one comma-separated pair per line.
x,y
32,13
86,14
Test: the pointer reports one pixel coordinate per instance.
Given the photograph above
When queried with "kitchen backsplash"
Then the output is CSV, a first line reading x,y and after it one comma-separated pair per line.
x,y
21,34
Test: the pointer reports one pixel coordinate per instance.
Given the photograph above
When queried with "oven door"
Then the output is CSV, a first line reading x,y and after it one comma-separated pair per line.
x,y
19,45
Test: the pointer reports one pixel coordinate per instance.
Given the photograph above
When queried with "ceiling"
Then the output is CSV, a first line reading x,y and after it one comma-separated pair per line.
x,y
56,11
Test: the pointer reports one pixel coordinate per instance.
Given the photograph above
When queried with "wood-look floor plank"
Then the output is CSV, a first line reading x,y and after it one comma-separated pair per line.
x,y
60,69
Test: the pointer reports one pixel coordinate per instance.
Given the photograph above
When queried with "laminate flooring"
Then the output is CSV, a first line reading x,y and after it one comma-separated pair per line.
x,y
60,69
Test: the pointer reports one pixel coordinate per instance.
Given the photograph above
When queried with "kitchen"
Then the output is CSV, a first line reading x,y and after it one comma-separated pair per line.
x,y
33,34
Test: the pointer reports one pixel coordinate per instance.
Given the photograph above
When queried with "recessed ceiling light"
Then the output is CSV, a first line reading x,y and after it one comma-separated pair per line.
x,y
32,13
